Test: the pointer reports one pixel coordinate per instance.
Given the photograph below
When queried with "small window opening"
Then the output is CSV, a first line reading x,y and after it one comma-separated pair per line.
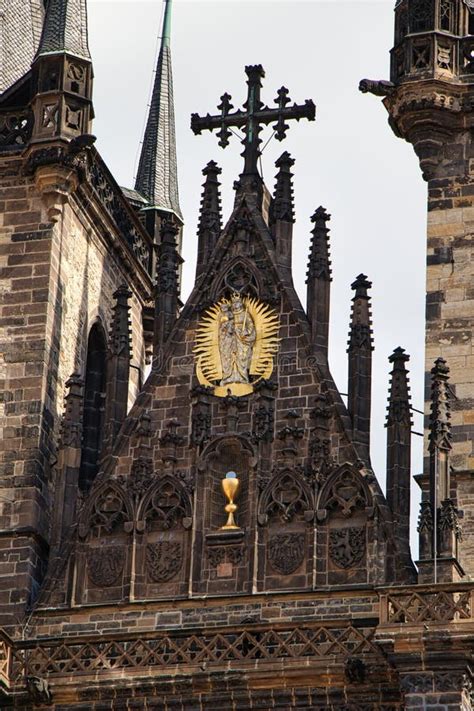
x,y
94,401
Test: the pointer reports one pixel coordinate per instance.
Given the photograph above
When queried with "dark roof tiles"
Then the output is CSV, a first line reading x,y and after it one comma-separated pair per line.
x,y
21,22
65,29
157,177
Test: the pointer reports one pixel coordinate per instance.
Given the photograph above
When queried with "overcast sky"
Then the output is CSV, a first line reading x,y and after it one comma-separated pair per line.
x,y
349,161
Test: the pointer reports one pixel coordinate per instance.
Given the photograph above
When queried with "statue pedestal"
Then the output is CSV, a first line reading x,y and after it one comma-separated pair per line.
x,y
225,551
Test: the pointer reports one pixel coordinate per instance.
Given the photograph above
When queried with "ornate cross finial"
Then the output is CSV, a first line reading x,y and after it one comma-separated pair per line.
x,y
251,120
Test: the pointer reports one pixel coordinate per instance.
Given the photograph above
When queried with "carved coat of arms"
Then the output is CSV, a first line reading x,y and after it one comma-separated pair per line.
x,y
286,552
164,560
235,345
347,546
105,565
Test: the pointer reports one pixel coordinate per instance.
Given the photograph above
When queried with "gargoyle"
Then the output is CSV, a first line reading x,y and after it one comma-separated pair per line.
x,y
38,689
378,88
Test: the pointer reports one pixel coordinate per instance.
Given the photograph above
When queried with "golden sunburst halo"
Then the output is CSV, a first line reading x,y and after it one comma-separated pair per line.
x,y
207,350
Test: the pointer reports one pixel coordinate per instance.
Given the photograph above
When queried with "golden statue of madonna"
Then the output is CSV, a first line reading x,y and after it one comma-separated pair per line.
x,y
235,345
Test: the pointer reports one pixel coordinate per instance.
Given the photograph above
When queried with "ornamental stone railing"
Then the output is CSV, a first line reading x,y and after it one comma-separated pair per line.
x,y
420,604
5,660
15,128
113,201
154,651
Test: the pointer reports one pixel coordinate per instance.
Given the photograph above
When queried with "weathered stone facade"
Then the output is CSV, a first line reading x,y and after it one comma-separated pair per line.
x,y
121,584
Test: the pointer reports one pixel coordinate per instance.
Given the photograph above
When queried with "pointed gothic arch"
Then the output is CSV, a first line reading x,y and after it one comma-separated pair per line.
x,y
347,538
285,498
108,508
94,405
240,275
167,504
103,554
163,552
345,490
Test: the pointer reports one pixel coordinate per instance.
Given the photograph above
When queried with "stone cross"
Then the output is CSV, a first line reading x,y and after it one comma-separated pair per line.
x,y
253,117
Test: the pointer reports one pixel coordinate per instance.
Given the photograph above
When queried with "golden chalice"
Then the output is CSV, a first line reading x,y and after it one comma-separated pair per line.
x,y
230,487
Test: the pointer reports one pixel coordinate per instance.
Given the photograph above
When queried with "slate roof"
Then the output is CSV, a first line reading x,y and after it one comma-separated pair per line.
x,y
21,22
65,29
157,176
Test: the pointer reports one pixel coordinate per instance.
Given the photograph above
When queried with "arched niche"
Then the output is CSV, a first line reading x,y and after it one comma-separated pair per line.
x,y
345,533
94,406
223,559
164,540
285,536
104,546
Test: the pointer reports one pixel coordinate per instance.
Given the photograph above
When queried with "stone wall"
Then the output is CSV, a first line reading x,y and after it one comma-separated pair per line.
x,y
449,327
56,279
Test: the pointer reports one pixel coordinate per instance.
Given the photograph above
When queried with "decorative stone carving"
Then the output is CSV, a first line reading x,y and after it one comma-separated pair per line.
x,y
347,546
320,438
38,690
377,87
71,424
425,519
105,565
16,127
290,434
170,440
187,479
111,198
263,424
355,670
448,518
240,278
201,427
107,512
286,552
143,428
346,494
230,554
417,683
166,506
141,476
164,560
286,497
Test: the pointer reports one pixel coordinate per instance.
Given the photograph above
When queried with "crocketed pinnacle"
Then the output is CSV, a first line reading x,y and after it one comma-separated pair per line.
x,y
65,29
210,215
398,410
282,207
440,417
119,335
22,22
360,334
157,176
319,264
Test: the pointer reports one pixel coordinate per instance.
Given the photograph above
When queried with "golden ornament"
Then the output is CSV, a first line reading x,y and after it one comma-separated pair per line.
x,y
236,342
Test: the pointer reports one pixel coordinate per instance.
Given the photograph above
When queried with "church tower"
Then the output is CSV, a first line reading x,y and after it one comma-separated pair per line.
x,y
429,102
214,535
76,277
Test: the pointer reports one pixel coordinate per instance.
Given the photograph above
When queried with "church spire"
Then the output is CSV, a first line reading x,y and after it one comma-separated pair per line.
x,y
65,29
157,177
